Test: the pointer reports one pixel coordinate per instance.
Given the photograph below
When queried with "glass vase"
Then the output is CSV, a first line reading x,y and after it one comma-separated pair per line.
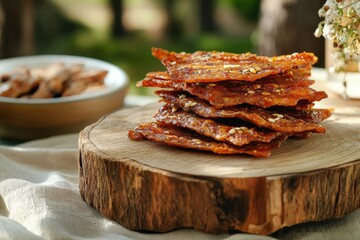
x,y
345,82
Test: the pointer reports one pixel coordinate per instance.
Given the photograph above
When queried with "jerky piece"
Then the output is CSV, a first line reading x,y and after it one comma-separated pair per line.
x,y
302,72
184,138
214,67
43,91
21,72
225,94
207,56
53,80
265,96
285,79
239,135
223,72
17,83
85,81
14,88
301,135
312,115
201,56
184,57
303,104
159,79
271,119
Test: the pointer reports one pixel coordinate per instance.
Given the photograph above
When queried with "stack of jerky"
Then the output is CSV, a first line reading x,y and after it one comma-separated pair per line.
x,y
232,103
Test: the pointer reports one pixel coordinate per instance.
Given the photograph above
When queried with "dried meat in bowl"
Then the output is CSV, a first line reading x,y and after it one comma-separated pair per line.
x,y
64,94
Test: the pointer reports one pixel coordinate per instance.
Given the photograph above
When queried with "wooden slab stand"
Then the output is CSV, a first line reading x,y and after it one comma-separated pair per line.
x,y
149,186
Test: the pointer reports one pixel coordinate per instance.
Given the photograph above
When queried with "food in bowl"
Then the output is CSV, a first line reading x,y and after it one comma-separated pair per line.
x,y
51,81
24,118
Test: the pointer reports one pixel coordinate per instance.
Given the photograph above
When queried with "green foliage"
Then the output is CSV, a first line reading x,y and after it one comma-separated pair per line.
x,y
131,52
249,9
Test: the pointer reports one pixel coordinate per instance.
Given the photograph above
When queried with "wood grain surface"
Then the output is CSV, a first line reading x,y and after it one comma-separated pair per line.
x,y
148,186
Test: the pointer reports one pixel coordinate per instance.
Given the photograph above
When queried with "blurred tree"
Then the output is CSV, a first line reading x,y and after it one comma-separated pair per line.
x,y
17,28
53,29
249,9
117,7
173,28
287,26
205,17
207,13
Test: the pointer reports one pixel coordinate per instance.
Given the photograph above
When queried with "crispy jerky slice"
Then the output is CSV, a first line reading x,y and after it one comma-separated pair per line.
x,y
284,92
200,56
180,137
312,115
239,135
214,56
271,119
284,79
301,135
17,83
222,72
265,96
214,67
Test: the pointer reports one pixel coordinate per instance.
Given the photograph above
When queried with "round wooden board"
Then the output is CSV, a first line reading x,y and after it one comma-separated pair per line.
x,y
144,185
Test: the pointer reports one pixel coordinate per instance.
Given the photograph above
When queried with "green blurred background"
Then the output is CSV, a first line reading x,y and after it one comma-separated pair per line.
x,y
123,32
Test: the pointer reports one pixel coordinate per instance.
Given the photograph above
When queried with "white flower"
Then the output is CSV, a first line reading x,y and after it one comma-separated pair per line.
x,y
342,39
347,51
332,13
322,12
331,4
340,25
331,16
328,31
318,32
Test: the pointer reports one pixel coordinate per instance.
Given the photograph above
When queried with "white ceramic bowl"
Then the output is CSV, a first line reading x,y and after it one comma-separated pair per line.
x,y
25,119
